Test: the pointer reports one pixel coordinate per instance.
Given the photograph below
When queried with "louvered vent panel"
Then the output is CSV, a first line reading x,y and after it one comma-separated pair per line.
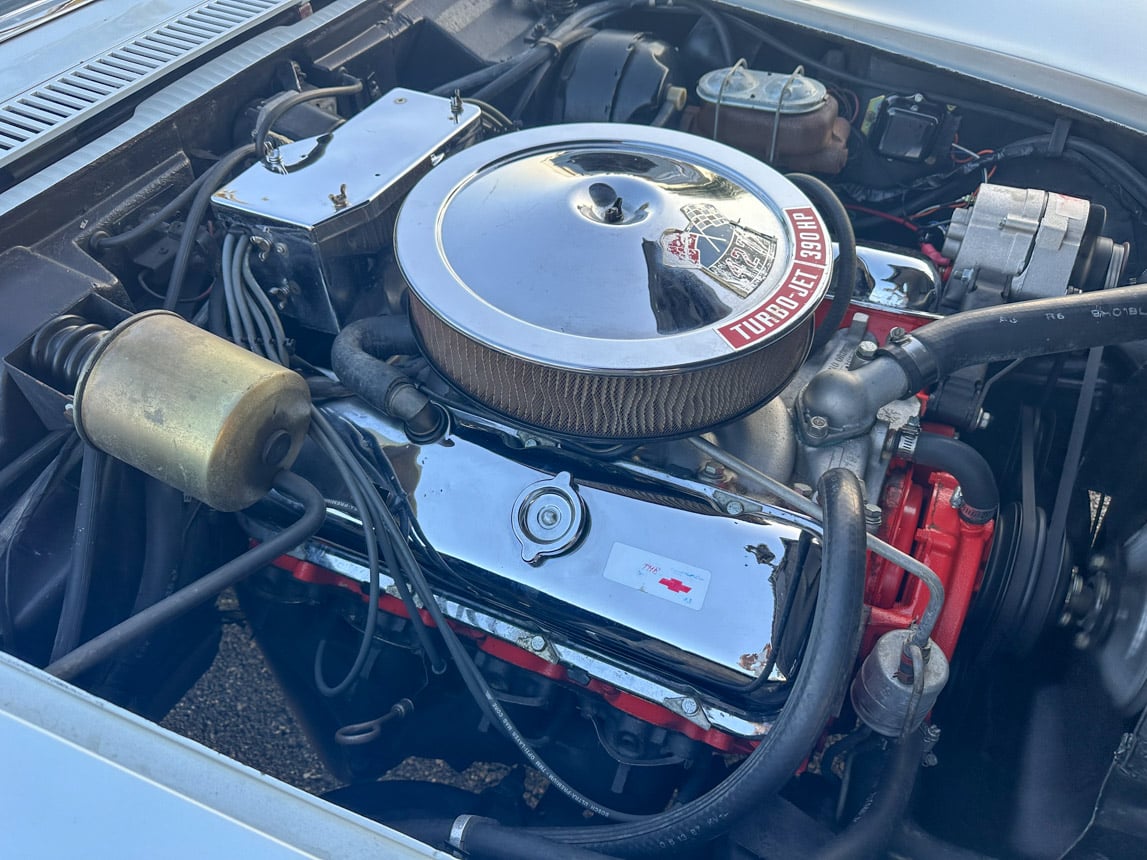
x,y
34,117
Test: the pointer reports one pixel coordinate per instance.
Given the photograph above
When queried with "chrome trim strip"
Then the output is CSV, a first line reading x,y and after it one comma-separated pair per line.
x,y
684,702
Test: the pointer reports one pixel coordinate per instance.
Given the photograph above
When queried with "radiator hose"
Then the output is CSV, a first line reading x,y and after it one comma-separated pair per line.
x,y
849,400
1021,330
825,670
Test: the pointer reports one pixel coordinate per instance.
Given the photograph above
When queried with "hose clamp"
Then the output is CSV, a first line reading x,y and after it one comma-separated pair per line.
x,y
458,829
917,362
906,440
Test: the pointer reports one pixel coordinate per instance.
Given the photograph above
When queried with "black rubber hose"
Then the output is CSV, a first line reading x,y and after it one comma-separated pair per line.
x,y
358,360
825,670
844,269
493,842
34,457
1022,330
500,84
123,634
277,106
102,241
1113,165
214,176
163,510
966,465
69,629
868,836
485,839
479,78
912,841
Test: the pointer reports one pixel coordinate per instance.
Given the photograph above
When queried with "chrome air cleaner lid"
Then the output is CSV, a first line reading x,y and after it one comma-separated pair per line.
x,y
612,252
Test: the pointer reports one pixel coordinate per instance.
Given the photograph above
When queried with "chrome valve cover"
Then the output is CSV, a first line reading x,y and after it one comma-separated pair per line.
x,y
680,593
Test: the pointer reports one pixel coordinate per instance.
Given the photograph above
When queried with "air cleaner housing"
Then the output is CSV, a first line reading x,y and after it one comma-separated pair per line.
x,y
612,282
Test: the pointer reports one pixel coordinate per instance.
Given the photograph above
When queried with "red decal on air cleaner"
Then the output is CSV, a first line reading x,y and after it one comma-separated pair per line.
x,y
675,585
680,248
799,288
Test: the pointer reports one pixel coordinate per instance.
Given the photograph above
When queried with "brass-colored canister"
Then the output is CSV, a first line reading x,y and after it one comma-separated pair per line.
x,y
192,409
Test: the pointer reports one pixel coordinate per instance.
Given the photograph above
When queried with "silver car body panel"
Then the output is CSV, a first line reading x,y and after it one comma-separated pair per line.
x,y
112,784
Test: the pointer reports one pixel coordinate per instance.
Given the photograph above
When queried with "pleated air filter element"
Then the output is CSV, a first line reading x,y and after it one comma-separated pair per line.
x,y
612,282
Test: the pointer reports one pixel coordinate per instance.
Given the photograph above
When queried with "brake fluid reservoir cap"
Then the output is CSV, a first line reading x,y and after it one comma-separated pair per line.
x,y
771,91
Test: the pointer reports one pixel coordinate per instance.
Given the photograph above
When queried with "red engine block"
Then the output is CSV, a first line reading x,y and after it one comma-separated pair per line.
x,y
920,520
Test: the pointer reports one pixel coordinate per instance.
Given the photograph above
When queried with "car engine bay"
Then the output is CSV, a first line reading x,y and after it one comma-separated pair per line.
x,y
734,424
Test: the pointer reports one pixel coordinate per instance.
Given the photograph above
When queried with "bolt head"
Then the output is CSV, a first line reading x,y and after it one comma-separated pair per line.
x,y
897,335
734,508
689,706
866,350
873,515
537,643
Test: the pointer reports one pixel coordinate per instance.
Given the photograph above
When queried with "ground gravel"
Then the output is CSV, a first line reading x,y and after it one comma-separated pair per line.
x,y
237,709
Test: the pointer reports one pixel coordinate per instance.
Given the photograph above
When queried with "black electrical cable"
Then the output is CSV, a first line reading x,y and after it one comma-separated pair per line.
x,y
484,696
782,623
102,241
163,546
332,445
816,693
844,269
479,78
202,199
868,836
274,109
389,479
246,301
110,642
1110,170
497,119
69,629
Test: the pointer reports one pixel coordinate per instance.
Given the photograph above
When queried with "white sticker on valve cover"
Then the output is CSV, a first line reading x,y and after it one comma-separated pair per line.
x,y
655,574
